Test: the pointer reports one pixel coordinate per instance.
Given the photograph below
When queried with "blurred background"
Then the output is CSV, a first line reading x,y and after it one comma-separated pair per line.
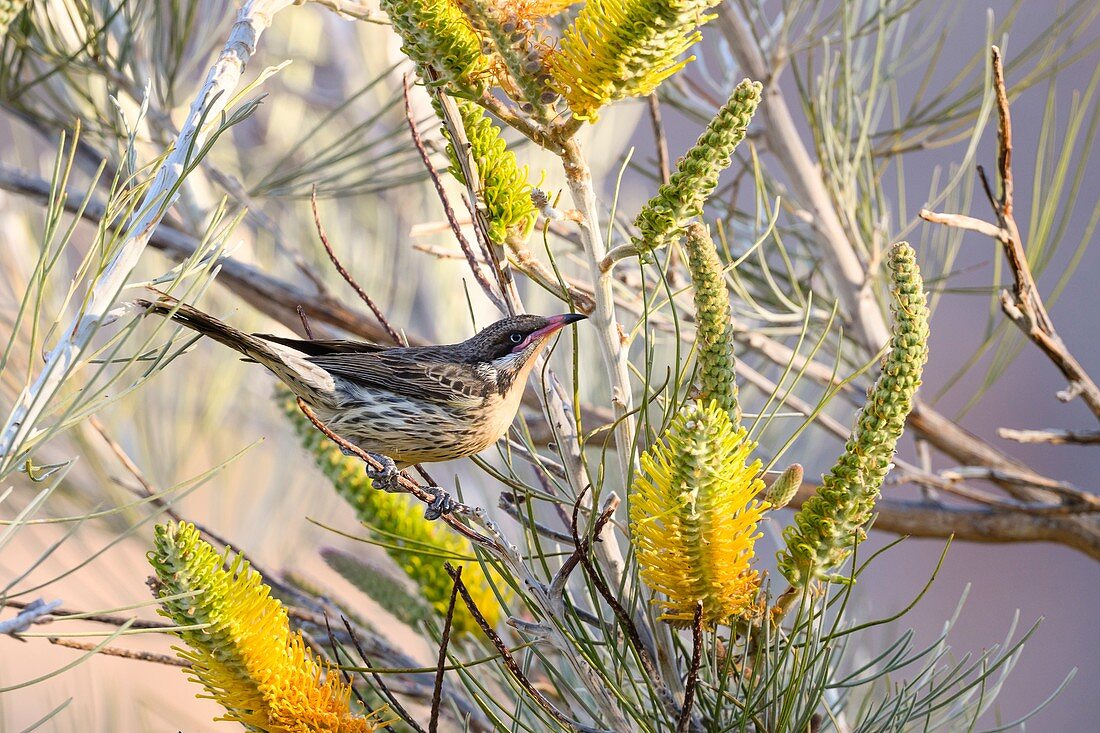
x,y
332,117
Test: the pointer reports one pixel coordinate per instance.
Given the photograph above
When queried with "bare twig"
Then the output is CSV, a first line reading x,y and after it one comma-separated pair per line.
x,y
933,519
390,697
1052,437
962,221
509,661
659,139
1024,305
693,672
348,278
456,228
55,612
305,322
31,613
437,689
356,11
405,483
582,545
579,178
111,651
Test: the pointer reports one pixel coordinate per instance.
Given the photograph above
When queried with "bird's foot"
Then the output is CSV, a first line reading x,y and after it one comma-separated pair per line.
x,y
384,478
440,505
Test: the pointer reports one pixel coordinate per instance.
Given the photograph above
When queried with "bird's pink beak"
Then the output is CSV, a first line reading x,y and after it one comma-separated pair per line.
x,y
556,323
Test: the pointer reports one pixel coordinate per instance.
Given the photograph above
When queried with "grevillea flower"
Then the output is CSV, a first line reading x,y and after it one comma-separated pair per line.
x,y
831,522
396,521
245,654
693,517
504,189
437,34
713,324
682,198
623,48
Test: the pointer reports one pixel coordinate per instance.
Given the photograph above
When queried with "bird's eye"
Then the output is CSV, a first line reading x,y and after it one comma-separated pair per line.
x,y
515,337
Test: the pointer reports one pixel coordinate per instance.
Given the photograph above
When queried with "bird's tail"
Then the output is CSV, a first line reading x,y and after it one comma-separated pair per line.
x,y
291,366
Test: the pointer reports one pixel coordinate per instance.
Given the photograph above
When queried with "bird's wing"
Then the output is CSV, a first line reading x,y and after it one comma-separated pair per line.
x,y
445,382
319,347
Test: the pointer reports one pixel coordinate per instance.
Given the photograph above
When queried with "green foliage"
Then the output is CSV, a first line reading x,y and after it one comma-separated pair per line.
x,y
377,583
9,9
831,522
696,176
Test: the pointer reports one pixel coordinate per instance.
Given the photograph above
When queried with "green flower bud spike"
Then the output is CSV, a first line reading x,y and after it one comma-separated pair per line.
x,y
714,329
784,488
623,48
828,525
9,9
696,176
504,189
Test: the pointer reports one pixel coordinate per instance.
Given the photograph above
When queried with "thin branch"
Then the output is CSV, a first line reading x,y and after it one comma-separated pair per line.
x,y
659,140
583,545
962,221
34,612
578,176
111,651
693,672
437,689
509,661
1024,305
390,697
403,482
57,613
471,257
1051,437
355,11
348,278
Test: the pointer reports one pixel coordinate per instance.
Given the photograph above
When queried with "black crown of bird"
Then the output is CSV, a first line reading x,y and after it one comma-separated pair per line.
x,y
402,405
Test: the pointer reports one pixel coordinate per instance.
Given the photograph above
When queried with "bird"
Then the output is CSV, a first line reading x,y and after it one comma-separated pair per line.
x,y
403,405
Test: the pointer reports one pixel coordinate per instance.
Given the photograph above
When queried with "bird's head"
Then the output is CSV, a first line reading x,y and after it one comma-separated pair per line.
x,y
512,343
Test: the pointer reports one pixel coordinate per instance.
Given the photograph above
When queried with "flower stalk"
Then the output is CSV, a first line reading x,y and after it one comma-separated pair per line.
x,y
683,197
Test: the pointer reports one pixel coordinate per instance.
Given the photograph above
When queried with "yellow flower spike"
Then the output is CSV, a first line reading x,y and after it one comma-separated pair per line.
x,y
623,48
693,517
245,655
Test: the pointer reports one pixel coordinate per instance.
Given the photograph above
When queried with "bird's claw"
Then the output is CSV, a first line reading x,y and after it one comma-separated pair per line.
x,y
384,478
441,504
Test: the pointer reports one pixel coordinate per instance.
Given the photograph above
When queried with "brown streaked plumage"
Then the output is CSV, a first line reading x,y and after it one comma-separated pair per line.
x,y
413,405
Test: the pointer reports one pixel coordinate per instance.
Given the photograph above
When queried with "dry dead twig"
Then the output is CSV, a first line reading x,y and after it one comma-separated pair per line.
x,y
1024,304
